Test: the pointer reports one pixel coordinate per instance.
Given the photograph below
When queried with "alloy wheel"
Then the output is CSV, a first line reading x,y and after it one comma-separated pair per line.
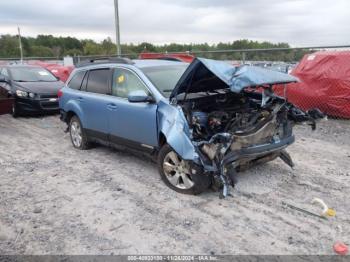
x,y
177,171
76,133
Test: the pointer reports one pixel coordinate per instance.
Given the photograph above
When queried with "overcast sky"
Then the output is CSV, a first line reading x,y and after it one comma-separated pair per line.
x,y
298,22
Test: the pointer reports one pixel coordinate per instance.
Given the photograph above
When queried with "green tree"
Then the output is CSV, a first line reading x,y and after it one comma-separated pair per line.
x,y
109,48
9,46
41,51
92,48
49,45
72,52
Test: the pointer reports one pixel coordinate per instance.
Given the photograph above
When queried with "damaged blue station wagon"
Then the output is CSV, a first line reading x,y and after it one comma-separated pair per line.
x,y
204,121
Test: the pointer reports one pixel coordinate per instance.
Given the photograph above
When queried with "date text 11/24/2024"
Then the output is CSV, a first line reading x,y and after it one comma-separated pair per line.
x,y
172,258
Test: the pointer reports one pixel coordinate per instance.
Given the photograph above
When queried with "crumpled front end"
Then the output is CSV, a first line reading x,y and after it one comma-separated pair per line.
x,y
231,132
228,119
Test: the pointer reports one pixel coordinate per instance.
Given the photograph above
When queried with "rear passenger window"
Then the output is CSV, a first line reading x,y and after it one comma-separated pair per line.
x,y
98,81
75,82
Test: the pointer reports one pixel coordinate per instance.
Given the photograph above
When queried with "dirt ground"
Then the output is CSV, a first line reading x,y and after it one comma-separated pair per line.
x,y
58,200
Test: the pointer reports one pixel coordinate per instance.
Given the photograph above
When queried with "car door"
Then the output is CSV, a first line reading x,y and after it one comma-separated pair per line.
x,y
95,102
134,124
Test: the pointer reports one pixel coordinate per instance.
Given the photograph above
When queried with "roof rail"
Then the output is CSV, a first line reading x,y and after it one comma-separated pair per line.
x,y
169,59
104,60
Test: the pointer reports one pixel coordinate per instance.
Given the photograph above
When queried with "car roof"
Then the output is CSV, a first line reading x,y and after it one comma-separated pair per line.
x,y
139,63
142,63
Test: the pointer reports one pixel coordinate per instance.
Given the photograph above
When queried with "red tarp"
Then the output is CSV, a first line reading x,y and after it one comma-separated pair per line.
x,y
325,83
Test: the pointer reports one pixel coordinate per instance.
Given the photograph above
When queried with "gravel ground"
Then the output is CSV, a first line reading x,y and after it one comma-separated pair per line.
x,y
58,200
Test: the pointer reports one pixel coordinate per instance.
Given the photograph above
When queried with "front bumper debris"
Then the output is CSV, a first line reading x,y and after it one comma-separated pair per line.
x,y
251,154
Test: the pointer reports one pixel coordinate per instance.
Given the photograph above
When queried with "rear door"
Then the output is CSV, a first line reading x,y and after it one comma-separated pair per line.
x,y
134,124
95,101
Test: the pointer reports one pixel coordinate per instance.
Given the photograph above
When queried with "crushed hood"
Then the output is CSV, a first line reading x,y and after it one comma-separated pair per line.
x,y
205,75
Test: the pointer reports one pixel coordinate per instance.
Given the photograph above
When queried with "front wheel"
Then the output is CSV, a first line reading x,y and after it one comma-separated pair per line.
x,y
77,134
180,175
14,111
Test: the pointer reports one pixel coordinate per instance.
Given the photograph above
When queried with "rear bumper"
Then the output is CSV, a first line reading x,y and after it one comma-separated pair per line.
x,y
37,106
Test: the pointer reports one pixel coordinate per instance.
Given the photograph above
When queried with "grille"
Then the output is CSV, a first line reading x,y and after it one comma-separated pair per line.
x,y
49,105
48,96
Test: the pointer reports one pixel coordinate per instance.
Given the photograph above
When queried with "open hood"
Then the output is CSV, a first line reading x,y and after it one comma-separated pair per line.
x,y
205,75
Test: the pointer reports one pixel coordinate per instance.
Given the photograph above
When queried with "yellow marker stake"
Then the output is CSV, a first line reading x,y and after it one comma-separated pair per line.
x,y
330,212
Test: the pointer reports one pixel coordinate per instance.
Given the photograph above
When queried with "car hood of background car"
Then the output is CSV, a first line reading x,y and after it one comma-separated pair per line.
x,y
40,87
206,75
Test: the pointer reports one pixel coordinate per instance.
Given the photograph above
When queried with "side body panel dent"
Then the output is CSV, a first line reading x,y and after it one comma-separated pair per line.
x,y
173,124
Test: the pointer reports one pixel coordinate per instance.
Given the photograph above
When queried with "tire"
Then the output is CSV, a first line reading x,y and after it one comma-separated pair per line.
x,y
14,111
77,134
182,176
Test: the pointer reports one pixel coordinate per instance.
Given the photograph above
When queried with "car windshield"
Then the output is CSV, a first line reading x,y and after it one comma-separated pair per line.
x,y
32,74
165,77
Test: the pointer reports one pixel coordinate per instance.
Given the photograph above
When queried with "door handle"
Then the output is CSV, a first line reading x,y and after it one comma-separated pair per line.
x,y
80,99
112,106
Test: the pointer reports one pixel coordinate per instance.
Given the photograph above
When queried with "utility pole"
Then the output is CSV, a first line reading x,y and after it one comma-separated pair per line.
x,y
116,13
20,44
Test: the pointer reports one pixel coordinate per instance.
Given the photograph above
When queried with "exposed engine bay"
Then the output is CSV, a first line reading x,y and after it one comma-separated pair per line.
x,y
233,131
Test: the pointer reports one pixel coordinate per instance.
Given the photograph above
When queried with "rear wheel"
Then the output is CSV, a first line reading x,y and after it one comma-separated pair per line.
x,y
180,175
77,134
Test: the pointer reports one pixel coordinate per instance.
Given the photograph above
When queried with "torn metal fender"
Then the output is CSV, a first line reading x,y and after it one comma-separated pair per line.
x,y
173,124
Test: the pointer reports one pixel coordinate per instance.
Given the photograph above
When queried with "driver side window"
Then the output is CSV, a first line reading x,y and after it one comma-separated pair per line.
x,y
124,82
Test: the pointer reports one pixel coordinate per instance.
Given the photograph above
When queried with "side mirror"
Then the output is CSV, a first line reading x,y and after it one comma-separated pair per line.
x,y
139,96
3,79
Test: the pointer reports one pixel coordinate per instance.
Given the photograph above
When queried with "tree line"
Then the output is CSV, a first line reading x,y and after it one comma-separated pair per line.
x,y
51,46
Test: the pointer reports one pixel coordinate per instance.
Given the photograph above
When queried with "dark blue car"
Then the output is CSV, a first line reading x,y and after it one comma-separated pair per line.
x,y
204,121
33,88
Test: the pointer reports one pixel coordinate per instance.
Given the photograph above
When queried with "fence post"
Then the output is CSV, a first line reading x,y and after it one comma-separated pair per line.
x,y
243,58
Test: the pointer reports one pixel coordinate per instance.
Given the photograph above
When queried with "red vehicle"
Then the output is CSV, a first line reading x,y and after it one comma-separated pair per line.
x,y
181,57
60,71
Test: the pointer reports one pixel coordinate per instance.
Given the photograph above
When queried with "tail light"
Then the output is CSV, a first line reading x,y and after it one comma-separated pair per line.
x,y
60,93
